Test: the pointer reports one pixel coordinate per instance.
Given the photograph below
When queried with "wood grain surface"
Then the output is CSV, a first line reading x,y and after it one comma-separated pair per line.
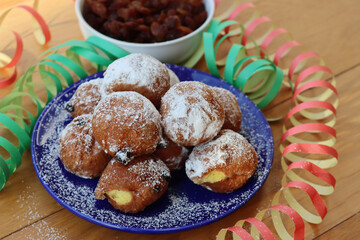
x,y
328,27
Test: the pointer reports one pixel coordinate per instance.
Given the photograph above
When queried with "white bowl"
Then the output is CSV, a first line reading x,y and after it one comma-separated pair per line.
x,y
173,51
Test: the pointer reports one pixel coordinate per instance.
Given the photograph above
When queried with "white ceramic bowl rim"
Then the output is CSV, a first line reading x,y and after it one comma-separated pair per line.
x,y
210,12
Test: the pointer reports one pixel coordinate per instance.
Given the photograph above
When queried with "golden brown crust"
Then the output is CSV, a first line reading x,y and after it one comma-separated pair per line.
x,y
145,177
127,121
235,178
229,154
140,73
174,155
86,98
191,113
231,108
79,151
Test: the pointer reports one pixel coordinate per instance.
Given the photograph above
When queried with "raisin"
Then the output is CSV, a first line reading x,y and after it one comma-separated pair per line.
x,y
161,17
123,157
200,18
195,3
145,21
69,107
159,31
157,189
130,24
98,8
142,28
172,22
189,22
127,13
166,176
138,6
184,30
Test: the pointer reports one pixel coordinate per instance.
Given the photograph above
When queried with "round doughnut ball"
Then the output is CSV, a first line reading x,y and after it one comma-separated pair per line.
x,y
173,155
223,164
173,78
126,124
130,188
85,99
231,108
140,73
191,113
80,153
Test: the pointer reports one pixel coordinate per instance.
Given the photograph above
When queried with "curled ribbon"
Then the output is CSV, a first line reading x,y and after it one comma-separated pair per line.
x,y
41,33
307,143
259,78
57,72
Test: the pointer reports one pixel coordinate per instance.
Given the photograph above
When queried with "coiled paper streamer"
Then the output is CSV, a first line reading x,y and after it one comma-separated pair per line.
x,y
308,139
57,72
259,78
41,33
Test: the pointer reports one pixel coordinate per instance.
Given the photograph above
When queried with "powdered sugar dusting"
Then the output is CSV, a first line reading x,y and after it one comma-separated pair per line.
x,y
184,205
210,155
142,111
173,78
30,208
136,69
231,108
150,172
126,110
189,114
89,94
83,136
43,231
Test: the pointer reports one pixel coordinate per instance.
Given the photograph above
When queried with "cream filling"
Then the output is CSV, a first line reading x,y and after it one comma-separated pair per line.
x,y
120,196
213,177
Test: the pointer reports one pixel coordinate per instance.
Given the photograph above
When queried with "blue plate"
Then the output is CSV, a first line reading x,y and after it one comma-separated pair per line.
x,y
184,206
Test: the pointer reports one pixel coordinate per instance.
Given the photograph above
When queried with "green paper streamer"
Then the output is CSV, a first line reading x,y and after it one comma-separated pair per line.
x,y
112,51
71,64
56,73
261,79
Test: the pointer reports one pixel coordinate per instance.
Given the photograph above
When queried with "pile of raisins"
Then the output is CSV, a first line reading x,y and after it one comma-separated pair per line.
x,y
145,21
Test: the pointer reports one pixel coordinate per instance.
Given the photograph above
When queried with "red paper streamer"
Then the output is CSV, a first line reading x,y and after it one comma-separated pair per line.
x,y
252,26
18,51
295,217
308,105
311,70
312,193
308,127
19,43
310,148
269,38
240,9
283,49
262,228
8,81
44,27
13,62
298,60
315,170
241,233
310,122
313,84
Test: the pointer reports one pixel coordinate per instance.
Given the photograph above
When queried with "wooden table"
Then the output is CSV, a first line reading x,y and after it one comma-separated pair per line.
x,y
328,27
